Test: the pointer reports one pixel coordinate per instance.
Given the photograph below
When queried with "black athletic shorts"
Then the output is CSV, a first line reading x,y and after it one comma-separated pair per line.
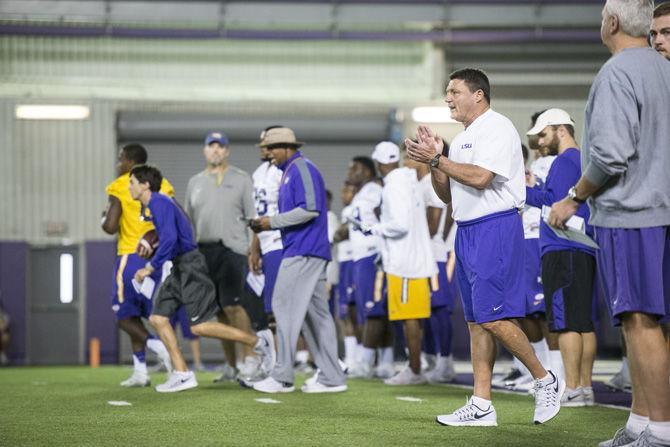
x,y
567,277
227,270
189,285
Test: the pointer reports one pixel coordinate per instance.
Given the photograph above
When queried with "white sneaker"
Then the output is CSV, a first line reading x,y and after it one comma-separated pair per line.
x,y
361,370
521,383
428,362
470,415
265,347
272,386
444,372
511,375
406,377
385,371
228,374
137,379
313,379
548,394
573,398
621,437
250,367
589,397
318,387
178,381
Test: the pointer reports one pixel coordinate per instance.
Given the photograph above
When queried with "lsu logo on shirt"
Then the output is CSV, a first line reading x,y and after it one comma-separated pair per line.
x,y
466,146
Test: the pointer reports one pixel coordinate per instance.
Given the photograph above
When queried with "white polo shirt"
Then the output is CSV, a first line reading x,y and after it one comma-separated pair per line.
x,y
490,142
266,179
363,209
437,242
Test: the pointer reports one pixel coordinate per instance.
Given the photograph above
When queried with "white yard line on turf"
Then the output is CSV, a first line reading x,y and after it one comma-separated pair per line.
x,y
409,399
119,403
266,400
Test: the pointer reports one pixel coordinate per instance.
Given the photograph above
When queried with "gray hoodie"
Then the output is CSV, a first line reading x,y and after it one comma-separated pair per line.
x,y
626,141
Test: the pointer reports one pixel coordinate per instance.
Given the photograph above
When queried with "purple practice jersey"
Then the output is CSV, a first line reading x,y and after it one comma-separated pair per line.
x,y
302,186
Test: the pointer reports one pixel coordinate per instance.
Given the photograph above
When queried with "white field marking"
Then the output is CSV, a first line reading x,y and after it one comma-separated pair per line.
x,y
39,383
409,399
267,400
119,403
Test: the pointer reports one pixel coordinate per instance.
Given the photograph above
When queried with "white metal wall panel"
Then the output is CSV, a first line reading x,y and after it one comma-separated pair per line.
x,y
55,172
216,70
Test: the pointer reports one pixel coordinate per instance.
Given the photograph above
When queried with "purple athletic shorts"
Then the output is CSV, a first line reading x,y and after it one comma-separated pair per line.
x,y
345,288
533,278
271,261
364,276
126,302
489,267
180,318
444,295
633,267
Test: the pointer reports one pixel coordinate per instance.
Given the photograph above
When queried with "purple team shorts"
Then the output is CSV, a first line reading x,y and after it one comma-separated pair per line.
x,y
633,267
444,295
533,278
271,261
345,288
364,276
489,267
180,318
126,302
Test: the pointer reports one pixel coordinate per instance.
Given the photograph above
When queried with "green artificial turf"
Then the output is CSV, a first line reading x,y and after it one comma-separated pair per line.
x,y
59,406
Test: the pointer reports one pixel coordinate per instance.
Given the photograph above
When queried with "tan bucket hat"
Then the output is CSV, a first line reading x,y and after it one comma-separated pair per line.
x,y
279,135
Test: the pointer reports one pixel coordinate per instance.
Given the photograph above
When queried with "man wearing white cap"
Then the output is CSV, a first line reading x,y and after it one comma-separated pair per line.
x,y
483,171
568,267
406,254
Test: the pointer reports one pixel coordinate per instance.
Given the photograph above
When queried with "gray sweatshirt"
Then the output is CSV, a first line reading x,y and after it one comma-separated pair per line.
x,y
626,144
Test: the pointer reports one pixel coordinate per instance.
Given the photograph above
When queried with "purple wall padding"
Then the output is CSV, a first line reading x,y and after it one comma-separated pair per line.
x,y
13,265
100,320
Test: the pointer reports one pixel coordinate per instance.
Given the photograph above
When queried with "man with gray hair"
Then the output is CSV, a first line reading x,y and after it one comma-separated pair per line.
x,y
625,158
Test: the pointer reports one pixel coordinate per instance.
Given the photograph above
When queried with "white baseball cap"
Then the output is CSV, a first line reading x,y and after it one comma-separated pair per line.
x,y
386,153
550,117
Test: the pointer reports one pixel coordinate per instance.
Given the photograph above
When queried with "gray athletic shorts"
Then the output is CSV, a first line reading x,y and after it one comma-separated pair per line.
x,y
188,285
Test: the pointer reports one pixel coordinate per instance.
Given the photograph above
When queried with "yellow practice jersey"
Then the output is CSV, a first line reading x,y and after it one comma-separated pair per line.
x,y
131,227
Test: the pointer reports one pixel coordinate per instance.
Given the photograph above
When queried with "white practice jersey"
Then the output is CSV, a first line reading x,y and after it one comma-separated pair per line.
x,y
266,179
344,251
491,142
406,251
431,200
333,268
363,210
532,215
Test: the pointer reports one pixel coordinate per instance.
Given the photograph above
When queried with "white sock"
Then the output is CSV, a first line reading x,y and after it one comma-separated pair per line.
x,y
157,347
444,362
481,403
139,366
360,352
542,352
660,430
368,356
302,356
636,423
521,367
386,355
349,349
556,363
